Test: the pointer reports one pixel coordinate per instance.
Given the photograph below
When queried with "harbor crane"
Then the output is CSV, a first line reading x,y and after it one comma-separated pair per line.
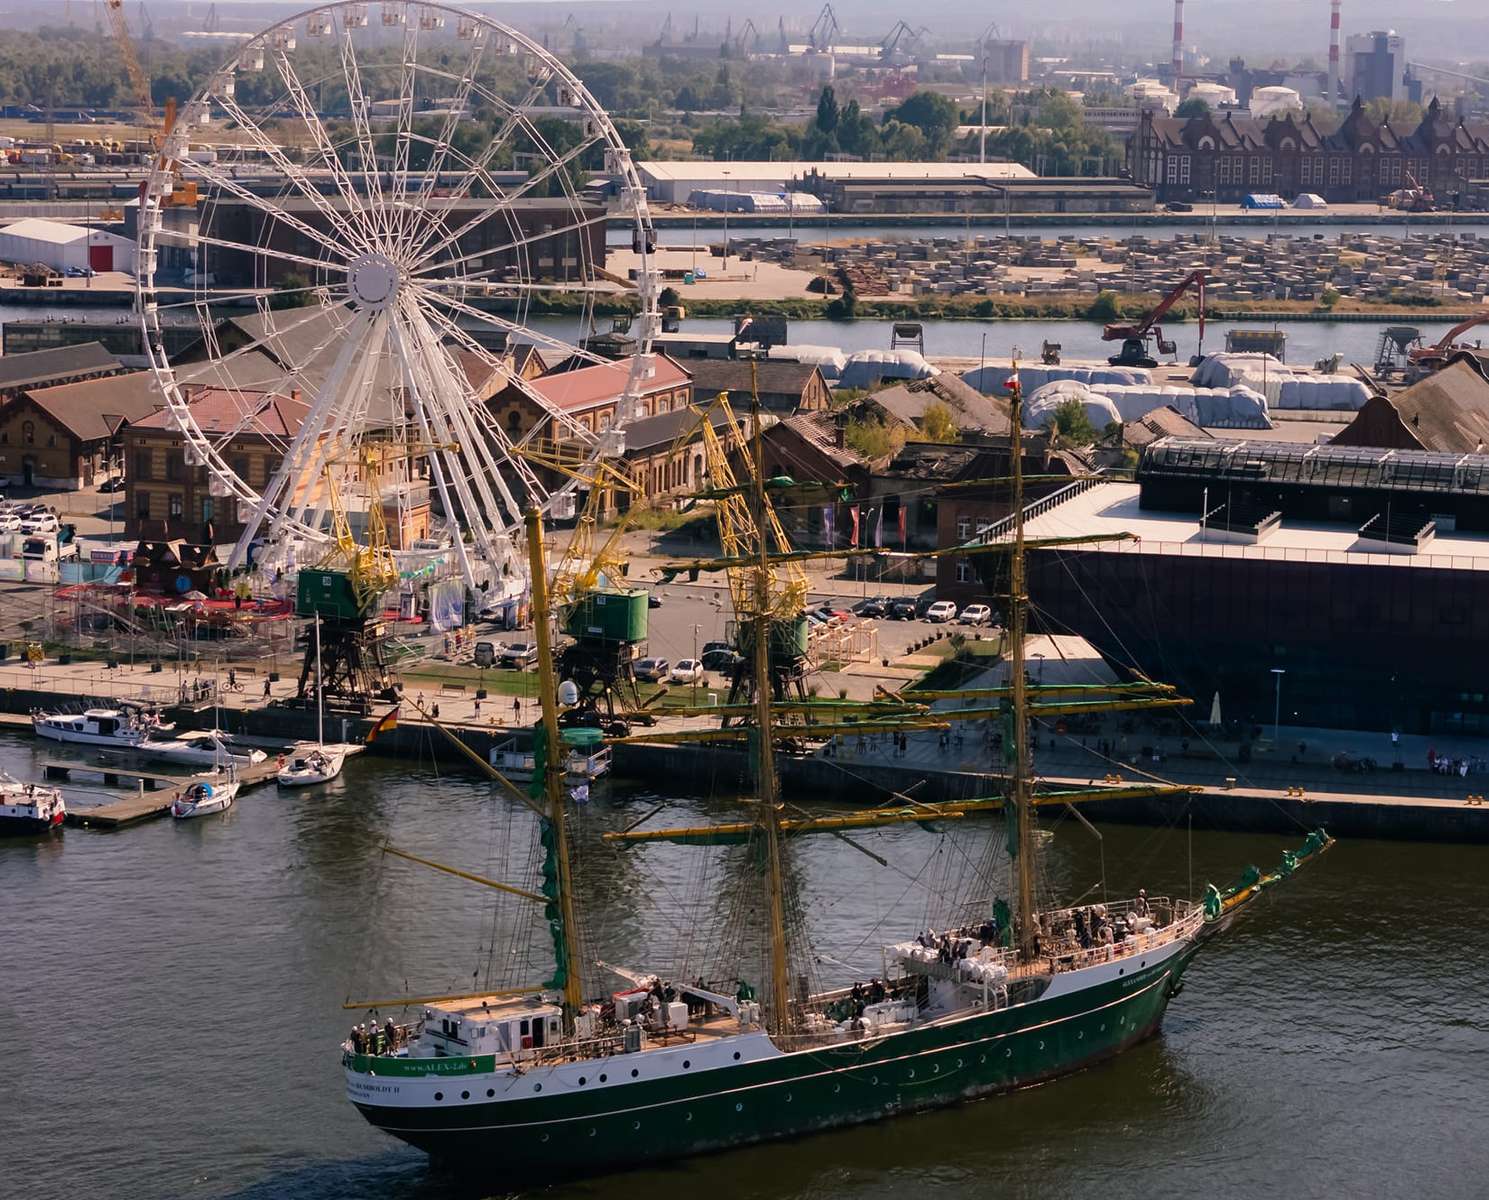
x,y
824,29
902,31
1134,338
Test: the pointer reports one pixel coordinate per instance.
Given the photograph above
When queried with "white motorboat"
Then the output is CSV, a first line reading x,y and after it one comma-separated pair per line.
x,y
317,764
202,799
27,808
124,728
200,746
582,766
322,763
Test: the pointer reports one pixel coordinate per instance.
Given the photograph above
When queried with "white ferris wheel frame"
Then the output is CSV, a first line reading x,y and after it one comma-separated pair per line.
x,y
382,254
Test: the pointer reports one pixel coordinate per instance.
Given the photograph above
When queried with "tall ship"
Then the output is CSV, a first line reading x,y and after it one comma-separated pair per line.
x,y
565,1077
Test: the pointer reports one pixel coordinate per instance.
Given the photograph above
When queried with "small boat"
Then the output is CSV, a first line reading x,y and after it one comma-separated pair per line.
x,y
200,746
202,799
320,764
95,727
584,764
28,808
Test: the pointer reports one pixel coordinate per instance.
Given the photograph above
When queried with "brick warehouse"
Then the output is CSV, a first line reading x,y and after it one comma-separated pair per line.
x,y
1186,159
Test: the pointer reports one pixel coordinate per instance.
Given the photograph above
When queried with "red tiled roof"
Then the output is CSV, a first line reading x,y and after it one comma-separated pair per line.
x,y
219,411
604,383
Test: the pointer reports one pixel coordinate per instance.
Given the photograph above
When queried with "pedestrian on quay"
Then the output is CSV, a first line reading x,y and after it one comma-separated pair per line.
x,y
266,689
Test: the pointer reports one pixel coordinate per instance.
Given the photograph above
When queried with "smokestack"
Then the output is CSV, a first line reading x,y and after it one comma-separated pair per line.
x,y
1334,7
1178,46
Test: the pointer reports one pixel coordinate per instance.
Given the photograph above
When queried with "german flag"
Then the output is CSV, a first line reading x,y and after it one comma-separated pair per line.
x,y
389,720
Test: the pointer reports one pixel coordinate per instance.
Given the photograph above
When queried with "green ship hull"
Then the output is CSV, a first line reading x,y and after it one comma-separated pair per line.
x,y
938,1064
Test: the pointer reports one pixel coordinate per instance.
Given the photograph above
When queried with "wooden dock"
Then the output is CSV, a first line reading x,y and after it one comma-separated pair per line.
x,y
147,805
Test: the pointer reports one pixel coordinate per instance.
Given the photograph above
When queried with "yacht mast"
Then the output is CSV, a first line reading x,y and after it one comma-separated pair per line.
x,y
320,691
554,768
780,987
1017,618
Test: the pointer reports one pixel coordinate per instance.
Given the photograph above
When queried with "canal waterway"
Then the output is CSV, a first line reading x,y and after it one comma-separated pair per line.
x,y
173,995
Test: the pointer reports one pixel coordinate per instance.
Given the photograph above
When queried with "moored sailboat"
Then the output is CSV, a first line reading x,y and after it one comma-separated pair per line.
x,y
322,763
549,1080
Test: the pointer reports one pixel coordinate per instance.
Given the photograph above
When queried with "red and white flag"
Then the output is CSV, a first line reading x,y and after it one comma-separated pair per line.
x,y
853,515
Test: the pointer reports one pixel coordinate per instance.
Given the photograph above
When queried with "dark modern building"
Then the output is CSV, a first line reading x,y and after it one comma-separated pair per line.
x,y
526,239
1360,574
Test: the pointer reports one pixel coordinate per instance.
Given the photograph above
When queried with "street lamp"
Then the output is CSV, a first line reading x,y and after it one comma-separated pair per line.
x,y
726,221
697,667
1277,674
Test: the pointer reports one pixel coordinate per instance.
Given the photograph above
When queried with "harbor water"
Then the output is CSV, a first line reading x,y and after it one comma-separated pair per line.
x,y
173,999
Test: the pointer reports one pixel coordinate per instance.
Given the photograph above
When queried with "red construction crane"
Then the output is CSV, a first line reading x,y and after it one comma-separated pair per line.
x,y
1424,360
1134,338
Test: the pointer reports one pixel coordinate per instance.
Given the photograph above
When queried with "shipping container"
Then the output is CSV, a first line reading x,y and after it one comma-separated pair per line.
x,y
328,594
608,615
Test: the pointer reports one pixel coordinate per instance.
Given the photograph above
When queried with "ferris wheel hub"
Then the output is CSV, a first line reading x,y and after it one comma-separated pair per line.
x,y
374,280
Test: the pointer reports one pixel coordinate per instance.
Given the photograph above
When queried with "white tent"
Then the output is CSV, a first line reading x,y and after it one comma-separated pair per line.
x,y
61,246
1310,200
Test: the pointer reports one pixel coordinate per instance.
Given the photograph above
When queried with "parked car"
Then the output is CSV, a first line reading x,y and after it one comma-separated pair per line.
x,y
688,670
520,655
976,614
116,484
1178,206
710,647
941,610
653,600
653,670
721,660
874,606
485,655
39,523
902,610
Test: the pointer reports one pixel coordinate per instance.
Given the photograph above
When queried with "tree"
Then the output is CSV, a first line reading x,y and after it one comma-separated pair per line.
x,y
1069,420
938,424
1104,307
872,438
929,112
827,110
1193,107
292,292
1402,115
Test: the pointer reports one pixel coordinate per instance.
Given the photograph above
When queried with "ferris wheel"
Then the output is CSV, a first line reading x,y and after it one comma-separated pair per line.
x,y
382,196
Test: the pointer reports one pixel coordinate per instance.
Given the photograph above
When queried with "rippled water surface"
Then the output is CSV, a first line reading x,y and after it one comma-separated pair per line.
x,y
172,995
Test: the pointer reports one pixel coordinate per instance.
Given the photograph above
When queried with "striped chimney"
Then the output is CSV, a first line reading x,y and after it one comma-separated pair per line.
x,y
1178,46
1334,7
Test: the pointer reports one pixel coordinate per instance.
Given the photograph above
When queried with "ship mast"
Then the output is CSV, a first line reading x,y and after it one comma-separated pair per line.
x,y
1023,814
780,987
554,767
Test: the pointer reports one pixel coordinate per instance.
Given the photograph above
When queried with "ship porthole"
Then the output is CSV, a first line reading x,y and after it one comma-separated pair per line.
x,y
788,1097
1041,1045
634,1072
603,1078
687,1116
1080,1035
936,1070
1008,1053
591,1133
465,1095
736,1056
1103,1028
439,1095
537,1087
836,1088
959,1064
686,1064
739,1108
874,1080
581,1081
544,1138
912,1074
490,1092
1121,970
635,1124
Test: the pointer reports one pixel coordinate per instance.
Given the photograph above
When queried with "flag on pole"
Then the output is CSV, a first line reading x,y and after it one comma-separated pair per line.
x,y
389,720
879,529
853,516
829,539
903,543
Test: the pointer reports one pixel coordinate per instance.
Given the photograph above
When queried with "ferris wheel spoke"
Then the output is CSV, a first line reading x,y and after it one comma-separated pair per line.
x,y
520,243
230,185
455,396
186,237
356,216
427,254
362,131
477,168
278,498
447,129
510,327
351,242
453,332
402,133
